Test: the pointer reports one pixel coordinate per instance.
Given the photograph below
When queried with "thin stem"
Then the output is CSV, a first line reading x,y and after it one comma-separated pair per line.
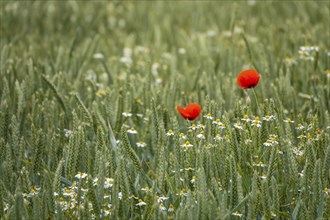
x,y
257,101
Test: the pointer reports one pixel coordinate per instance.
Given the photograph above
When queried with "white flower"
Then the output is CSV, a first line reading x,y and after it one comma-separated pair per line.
x,y
218,138
201,126
183,136
260,164
288,120
126,60
237,214
208,116
108,183
146,189
238,126
217,122
127,114
162,199
186,145
161,207
181,51
200,136
139,115
141,203
246,118
193,127
81,175
120,195
169,133
256,123
95,181
68,133
248,141
141,144
193,179
300,127
171,208
98,56
268,118
132,131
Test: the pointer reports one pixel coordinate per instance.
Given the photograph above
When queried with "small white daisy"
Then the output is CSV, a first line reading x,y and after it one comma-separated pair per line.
x,y
127,114
132,131
141,144
170,133
141,203
208,116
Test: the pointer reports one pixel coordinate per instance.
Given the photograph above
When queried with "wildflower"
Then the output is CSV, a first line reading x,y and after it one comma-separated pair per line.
x,y
263,176
162,199
288,120
108,183
183,136
268,118
34,191
193,179
201,135
201,126
120,195
256,122
260,164
190,112
182,193
246,118
126,60
132,131
327,72
146,189
186,145
67,133
290,61
300,127
139,115
238,126
248,79
141,203
81,175
161,207
326,191
237,213
208,116
271,141
170,133
218,137
171,208
98,56
193,127
141,144
181,51
95,181
127,114
217,122
222,126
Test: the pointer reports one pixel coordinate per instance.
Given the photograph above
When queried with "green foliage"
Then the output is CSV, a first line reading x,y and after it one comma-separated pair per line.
x,y
88,121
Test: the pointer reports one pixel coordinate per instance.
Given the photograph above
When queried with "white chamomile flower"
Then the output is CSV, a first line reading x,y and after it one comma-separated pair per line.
x,y
238,126
127,114
246,118
170,133
217,122
132,131
141,203
186,145
300,127
81,175
183,136
218,137
200,135
162,207
288,120
208,116
268,118
141,144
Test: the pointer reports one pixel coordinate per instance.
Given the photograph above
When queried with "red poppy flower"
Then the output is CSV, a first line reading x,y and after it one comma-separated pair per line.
x,y
190,112
248,79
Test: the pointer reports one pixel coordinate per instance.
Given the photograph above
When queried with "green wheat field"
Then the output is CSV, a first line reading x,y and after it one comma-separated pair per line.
x,y
89,126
